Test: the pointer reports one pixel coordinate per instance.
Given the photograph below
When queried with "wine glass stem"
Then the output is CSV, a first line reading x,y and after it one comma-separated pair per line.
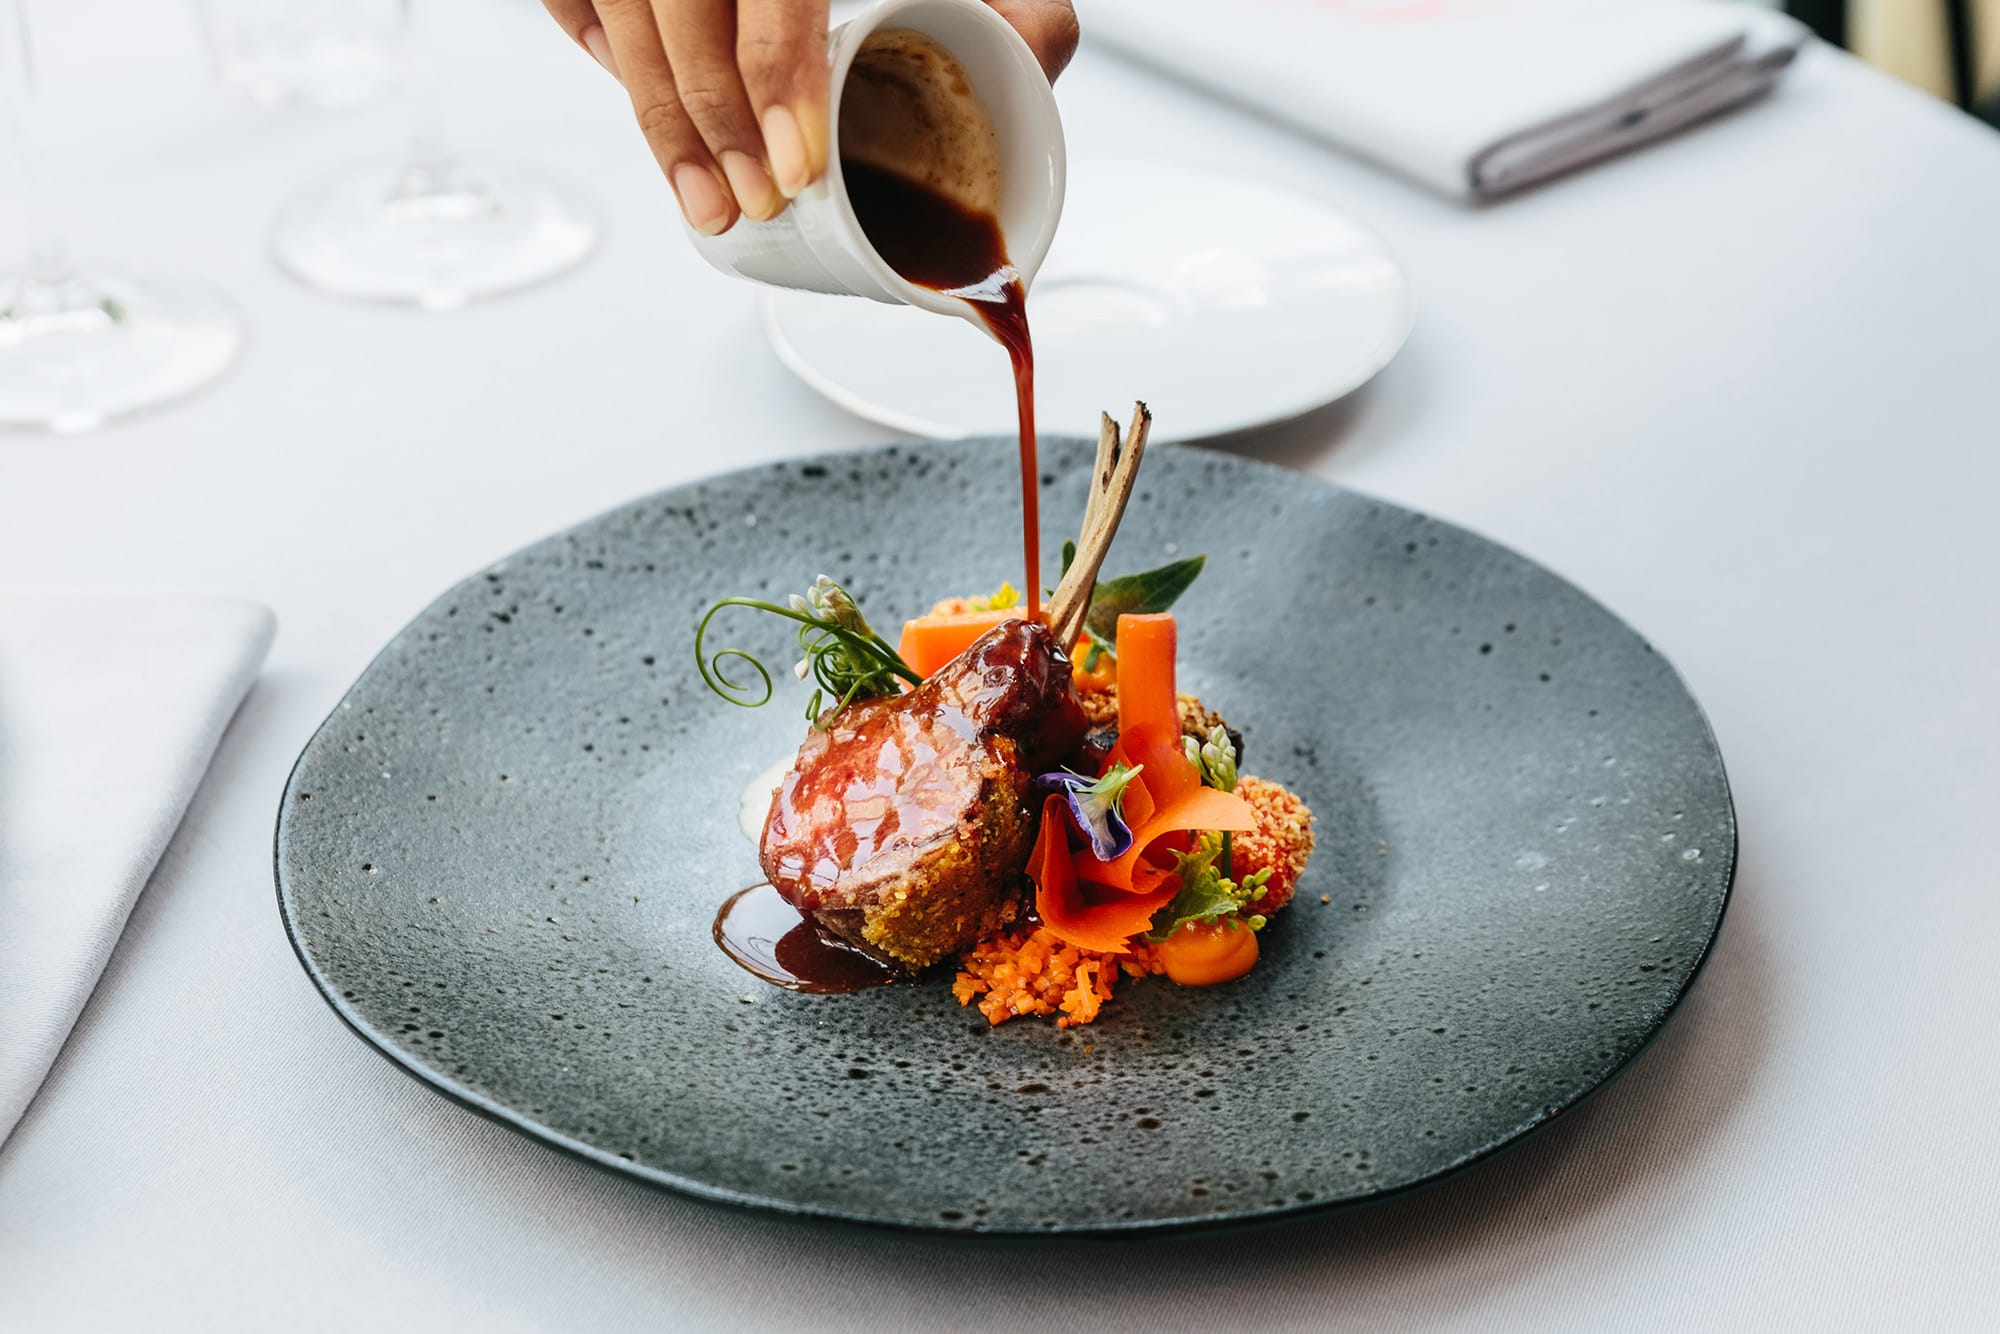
x,y
424,108
48,257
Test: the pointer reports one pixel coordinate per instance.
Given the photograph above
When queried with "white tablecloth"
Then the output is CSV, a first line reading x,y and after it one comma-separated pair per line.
x,y
1740,386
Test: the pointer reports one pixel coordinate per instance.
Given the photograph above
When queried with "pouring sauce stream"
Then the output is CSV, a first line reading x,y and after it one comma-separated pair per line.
x,y
938,243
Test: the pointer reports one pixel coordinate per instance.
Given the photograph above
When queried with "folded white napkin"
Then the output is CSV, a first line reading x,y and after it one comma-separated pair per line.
x,y
1472,97
110,706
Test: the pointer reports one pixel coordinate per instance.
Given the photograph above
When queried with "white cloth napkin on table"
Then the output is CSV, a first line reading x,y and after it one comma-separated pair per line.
x,y
111,705
1471,97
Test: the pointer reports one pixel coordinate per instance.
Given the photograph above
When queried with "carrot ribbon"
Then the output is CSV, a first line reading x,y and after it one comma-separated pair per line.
x,y
1089,916
1099,905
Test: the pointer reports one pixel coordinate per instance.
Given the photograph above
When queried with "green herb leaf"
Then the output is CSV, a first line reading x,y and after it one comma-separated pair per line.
x,y
1206,894
1140,594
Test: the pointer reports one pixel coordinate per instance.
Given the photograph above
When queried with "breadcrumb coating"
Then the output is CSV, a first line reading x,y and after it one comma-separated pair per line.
x,y
1281,843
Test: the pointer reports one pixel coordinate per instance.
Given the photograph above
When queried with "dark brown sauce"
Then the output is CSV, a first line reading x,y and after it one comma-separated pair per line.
x,y
937,243
767,937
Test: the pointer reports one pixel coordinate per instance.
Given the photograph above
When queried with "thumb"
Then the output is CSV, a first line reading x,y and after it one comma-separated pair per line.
x,y
1049,27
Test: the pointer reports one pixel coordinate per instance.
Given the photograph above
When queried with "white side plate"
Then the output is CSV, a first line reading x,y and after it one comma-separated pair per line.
x,y
1224,302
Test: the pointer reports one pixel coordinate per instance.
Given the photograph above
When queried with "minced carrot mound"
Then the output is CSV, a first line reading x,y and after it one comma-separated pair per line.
x,y
1034,971
1281,842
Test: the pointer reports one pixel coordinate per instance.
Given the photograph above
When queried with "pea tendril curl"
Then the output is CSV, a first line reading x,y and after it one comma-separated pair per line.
x,y
844,657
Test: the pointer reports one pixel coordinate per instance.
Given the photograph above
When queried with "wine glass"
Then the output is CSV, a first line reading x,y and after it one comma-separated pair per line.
x,y
434,230
84,344
314,53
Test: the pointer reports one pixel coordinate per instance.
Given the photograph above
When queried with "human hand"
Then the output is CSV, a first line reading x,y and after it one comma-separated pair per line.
x,y
731,94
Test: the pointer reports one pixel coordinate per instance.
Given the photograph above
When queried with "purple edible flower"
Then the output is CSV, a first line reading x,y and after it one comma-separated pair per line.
x,y
1096,803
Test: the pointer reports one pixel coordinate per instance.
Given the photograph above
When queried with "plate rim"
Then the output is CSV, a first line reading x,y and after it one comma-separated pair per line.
x,y
1123,1229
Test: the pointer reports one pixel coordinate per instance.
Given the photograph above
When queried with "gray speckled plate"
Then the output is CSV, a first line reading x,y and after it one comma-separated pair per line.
x,y
501,856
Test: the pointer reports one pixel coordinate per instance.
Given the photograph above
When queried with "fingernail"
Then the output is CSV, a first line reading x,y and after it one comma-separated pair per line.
x,y
599,46
785,145
702,201
812,128
755,195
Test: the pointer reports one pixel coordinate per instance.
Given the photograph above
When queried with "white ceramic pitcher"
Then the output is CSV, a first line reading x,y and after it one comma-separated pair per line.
x,y
817,244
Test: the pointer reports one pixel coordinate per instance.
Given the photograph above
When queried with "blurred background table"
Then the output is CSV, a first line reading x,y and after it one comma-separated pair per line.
x,y
1740,386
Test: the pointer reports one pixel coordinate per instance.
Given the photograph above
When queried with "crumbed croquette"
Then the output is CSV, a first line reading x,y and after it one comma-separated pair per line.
x,y
1281,843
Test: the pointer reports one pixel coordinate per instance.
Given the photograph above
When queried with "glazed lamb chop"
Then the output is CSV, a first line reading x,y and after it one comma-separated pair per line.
x,y
904,826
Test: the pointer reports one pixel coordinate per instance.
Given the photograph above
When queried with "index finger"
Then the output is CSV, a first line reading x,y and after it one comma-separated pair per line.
x,y
698,182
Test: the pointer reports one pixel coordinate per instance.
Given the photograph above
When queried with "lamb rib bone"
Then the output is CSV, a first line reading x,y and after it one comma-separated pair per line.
x,y
1112,478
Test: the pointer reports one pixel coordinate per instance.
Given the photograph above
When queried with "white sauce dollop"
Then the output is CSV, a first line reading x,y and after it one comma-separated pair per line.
x,y
755,805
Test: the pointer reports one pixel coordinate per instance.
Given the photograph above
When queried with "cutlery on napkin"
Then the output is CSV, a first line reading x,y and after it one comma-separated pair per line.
x,y
111,705
1474,98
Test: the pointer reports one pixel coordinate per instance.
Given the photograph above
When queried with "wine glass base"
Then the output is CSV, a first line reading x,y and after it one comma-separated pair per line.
x,y
97,345
432,235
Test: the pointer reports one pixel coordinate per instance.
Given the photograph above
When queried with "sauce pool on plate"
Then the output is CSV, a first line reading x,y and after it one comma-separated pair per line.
x,y
767,937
